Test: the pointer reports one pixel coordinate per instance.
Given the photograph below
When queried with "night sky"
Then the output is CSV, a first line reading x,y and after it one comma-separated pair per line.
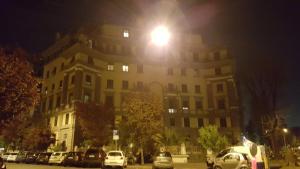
x,y
249,28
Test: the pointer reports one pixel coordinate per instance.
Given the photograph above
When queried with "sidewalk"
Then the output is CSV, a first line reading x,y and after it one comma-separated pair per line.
x,y
176,166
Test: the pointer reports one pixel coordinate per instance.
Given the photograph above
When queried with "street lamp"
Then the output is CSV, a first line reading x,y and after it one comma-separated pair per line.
x,y
160,35
285,131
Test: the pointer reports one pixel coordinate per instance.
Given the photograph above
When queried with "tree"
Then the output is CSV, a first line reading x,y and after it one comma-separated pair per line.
x,y
143,118
211,139
18,87
96,122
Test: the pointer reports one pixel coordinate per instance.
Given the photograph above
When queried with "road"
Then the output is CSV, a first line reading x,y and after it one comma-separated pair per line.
x,y
177,166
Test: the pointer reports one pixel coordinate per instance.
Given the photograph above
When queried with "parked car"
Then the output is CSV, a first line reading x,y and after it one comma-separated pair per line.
x,y
73,159
31,157
163,160
43,158
93,158
21,156
2,164
57,157
115,159
12,157
4,156
232,160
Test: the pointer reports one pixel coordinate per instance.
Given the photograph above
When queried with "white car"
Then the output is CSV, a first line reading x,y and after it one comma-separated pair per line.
x,y
12,157
115,159
57,157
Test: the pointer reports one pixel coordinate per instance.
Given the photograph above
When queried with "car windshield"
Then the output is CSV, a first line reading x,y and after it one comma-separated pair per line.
x,y
164,154
222,153
13,153
56,154
114,154
92,151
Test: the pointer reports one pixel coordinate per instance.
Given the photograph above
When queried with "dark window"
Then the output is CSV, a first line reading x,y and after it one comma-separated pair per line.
x,y
50,103
54,71
55,120
197,88
183,71
53,86
60,84
67,119
140,85
58,101
73,79
186,122
199,104
125,84
218,71
110,84
171,87
216,55
172,121
221,104
90,60
223,122
172,102
170,71
88,79
184,88
200,123
140,68
196,57
109,101
70,100
220,88
72,59
62,66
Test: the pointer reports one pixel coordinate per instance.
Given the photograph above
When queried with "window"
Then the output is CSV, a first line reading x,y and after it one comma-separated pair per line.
x,y
223,122
110,84
88,79
54,71
171,110
67,119
185,104
125,68
183,71
197,88
221,104
170,71
58,101
87,98
184,88
90,60
172,121
109,101
110,67
73,79
200,122
70,100
47,74
199,105
216,55
62,66
218,71
186,122
140,85
125,84
50,103
46,90
171,87
53,86
195,57
220,88
55,120
140,68
60,84
126,33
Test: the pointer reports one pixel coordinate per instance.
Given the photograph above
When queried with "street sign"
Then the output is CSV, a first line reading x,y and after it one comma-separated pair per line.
x,y
115,135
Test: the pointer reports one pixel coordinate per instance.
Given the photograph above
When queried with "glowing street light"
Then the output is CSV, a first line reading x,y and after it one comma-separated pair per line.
x,y
160,36
285,131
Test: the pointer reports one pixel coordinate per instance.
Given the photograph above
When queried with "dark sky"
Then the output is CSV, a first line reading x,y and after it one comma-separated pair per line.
x,y
249,28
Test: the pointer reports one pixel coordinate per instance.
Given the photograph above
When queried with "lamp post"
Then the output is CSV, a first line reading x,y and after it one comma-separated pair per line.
x,y
160,35
285,131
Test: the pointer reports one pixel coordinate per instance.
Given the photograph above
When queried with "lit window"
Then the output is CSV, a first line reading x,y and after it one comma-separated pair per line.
x,y
126,33
125,68
171,111
110,67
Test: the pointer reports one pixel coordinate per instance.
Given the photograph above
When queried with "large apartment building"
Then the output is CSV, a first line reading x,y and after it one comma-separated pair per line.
x,y
195,82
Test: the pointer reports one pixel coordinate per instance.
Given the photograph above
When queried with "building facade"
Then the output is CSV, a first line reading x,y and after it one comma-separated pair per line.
x,y
196,83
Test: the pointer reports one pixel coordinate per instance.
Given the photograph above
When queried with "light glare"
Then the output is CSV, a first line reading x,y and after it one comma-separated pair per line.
x,y
160,36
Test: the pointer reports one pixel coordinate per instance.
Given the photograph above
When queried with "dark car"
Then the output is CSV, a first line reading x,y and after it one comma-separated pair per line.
x,y
21,157
43,158
31,157
93,158
73,159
